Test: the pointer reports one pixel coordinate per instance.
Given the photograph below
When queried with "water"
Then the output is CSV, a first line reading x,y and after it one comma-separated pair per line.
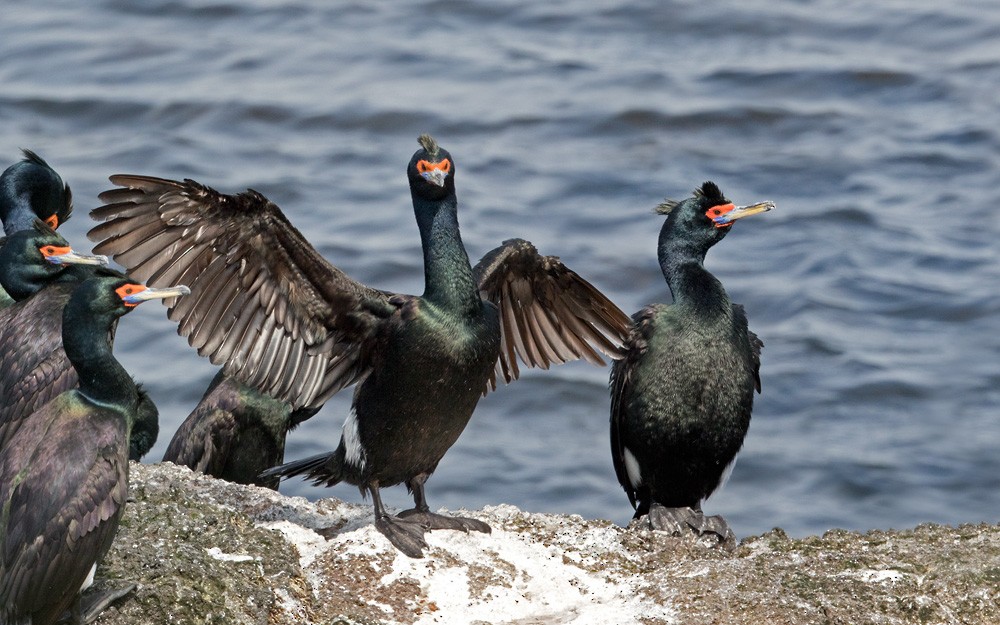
x,y
874,285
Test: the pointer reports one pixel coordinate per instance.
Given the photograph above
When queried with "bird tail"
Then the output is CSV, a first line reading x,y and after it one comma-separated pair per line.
x,y
323,469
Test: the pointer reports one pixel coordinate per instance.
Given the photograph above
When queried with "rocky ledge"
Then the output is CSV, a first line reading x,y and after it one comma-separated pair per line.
x,y
204,551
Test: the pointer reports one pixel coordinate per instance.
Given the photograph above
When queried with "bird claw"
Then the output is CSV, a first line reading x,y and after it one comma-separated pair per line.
x,y
712,531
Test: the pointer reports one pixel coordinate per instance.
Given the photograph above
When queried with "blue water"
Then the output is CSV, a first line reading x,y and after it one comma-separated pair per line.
x,y
875,285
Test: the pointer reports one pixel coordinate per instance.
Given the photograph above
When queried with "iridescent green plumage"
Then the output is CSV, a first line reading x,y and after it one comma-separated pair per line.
x,y
285,322
30,189
34,367
681,398
64,472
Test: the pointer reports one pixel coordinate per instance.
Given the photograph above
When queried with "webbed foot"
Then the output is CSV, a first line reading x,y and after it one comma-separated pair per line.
x,y
89,606
713,531
434,521
404,534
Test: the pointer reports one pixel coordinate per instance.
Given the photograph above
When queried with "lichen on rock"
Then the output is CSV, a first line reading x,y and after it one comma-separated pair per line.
x,y
203,551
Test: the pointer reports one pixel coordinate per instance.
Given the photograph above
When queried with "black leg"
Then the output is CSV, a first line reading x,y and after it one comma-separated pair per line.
x,y
422,514
416,486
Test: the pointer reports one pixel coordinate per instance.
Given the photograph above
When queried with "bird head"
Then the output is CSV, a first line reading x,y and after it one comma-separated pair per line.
x,y
31,258
31,188
431,170
707,216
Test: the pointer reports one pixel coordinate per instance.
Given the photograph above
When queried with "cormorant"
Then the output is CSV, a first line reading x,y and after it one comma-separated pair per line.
x,y
681,398
294,327
64,473
31,189
40,270
235,433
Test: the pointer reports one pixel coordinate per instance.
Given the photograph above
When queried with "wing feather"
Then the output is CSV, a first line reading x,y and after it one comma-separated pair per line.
x,y
549,314
261,296
56,529
620,386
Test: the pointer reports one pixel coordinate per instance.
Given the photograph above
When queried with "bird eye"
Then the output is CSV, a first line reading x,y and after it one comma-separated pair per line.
x,y
423,166
719,210
52,222
126,290
445,165
48,251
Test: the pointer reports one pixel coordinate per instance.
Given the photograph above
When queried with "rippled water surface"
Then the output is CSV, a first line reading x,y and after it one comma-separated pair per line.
x,y
874,285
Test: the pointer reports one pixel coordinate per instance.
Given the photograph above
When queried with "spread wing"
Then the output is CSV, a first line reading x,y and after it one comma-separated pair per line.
x,y
56,529
621,390
548,313
263,302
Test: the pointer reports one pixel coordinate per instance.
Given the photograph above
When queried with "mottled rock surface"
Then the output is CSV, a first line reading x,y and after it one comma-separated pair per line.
x,y
205,551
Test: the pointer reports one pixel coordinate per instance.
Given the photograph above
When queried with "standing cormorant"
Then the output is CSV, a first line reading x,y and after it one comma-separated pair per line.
x,y
681,398
291,325
235,433
64,473
30,189
40,270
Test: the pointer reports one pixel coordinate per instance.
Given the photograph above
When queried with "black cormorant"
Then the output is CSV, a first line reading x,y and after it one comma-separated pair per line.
x,y
681,398
235,433
289,324
31,189
64,473
38,268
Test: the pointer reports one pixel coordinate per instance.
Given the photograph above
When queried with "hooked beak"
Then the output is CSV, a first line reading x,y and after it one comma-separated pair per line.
x,y
75,258
742,211
134,299
435,176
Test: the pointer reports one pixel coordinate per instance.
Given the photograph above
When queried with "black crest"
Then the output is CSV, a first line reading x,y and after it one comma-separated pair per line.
x,y
711,192
429,144
708,190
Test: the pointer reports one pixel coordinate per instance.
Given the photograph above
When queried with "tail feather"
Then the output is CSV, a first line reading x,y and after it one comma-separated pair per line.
x,y
324,469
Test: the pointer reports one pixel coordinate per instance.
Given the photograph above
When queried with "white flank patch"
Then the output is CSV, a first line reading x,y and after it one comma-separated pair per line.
x,y
632,468
354,453
726,474
90,578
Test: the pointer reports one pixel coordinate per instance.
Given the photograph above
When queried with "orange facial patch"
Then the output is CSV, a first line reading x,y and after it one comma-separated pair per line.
x,y
718,211
125,290
54,250
52,222
426,166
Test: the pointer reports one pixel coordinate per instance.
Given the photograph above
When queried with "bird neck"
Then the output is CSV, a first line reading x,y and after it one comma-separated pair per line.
x,y
448,279
87,342
691,285
15,211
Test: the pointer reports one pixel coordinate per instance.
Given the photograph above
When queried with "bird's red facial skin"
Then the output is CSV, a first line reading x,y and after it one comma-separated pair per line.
x,y
718,211
54,250
426,166
129,289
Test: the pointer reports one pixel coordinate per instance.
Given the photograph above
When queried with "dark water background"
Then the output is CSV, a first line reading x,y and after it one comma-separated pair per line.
x,y
874,126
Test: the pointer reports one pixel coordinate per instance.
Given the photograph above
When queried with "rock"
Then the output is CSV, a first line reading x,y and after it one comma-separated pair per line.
x,y
203,551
